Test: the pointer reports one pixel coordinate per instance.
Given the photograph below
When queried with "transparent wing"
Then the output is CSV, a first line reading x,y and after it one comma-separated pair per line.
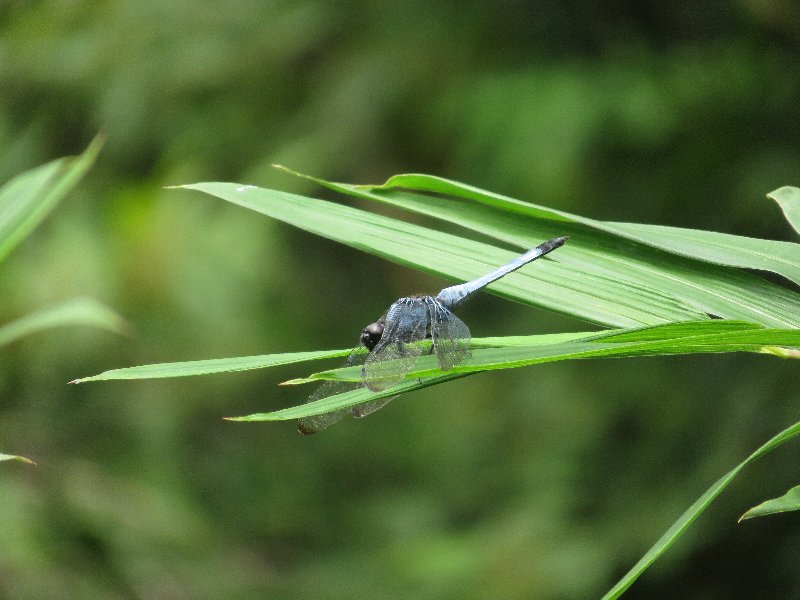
x,y
311,425
397,351
451,336
367,408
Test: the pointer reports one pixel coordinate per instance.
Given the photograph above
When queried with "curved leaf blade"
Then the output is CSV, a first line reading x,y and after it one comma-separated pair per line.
x,y
782,258
14,457
596,250
28,198
788,198
790,501
560,283
693,512
80,311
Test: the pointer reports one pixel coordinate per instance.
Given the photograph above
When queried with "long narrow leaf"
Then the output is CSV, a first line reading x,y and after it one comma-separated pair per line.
x,y
559,283
627,345
209,366
645,285
693,512
779,257
29,197
497,353
81,311
596,257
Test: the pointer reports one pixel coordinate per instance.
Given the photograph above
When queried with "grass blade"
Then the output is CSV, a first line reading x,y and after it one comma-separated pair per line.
x,y
80,311
782,258
29,197
693,512
557,282
209,366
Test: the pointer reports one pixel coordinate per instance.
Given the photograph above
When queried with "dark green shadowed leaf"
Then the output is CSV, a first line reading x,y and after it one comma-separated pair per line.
x,y
790,501
693,512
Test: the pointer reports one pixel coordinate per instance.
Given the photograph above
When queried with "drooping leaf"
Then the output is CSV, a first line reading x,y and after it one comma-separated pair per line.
x,y
29,197
80,311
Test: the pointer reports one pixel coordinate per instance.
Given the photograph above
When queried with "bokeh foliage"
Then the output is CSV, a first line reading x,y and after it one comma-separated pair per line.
x,y
543,482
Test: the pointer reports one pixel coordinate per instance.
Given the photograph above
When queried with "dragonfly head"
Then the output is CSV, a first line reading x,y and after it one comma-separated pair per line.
x,y
371,335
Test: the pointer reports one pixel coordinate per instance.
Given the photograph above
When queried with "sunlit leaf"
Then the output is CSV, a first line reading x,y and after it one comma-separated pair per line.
x,y
790,501
209,366
724,249
721,291
591,295
596,276
695,338
699,337
507,352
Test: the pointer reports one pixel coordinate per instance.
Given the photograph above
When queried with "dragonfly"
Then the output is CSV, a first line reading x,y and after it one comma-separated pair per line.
x,y
389,347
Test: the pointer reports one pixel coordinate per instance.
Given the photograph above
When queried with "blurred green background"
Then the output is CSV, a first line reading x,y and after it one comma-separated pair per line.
x,y
545,482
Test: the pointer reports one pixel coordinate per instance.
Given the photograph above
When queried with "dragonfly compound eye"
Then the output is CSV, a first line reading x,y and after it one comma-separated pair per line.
x,y
371,335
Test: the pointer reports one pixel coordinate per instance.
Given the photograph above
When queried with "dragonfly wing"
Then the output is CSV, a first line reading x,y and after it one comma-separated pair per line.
x,y
315,423
395,354
362,410
451,336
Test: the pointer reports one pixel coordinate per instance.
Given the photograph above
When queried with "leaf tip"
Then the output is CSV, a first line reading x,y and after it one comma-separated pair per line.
x,y
781,352
17,458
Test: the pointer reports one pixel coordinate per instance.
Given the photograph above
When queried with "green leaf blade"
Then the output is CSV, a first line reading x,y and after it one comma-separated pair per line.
x,y
641,276
28,198
790,501
677,529
79,311
559,283
210,366
782,258
17,458
788,198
